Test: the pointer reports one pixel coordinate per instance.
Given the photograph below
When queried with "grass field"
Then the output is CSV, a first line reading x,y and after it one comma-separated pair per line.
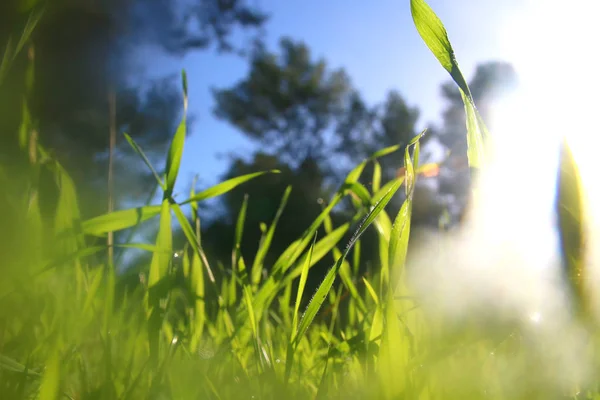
x,y
68,329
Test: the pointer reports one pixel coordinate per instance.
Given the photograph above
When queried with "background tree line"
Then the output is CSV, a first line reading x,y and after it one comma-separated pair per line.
x,y
309,120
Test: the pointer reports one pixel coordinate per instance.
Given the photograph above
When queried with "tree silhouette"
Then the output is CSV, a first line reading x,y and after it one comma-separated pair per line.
x,y
287,102
83,56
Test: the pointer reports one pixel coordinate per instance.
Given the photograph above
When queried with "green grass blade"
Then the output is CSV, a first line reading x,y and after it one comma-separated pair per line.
x,y
11,53
50,386
376,184
371,291
257,265
143,156
353,176
394,355
434,35
176,148
237,260
302,284
197,287
385,151
159,264
225,186
192,238
174,157
572,229
324,288
119,220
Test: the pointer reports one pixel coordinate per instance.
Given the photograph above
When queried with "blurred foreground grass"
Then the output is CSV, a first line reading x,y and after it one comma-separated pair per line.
x,y
71,328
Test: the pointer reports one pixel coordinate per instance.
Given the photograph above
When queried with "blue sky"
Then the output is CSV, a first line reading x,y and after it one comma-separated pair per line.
x,y
375,42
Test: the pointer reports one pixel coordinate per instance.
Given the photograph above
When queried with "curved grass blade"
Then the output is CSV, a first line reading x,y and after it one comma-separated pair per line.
x,y
321,249
190,235
572,232
434,35
225,186
119,220
9,53
376,181
161,259
325,287
176,148
143,156
432,31
384,152
239,232
292,343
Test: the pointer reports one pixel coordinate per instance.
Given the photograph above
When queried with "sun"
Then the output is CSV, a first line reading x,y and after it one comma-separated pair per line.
x,y
554,47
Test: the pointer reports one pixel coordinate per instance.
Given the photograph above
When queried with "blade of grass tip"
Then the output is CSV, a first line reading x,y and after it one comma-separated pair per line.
x,y
257,265
394,354
400,234
184,85
355,173
325,286
252,317
143,156
376,181
432,31
371,291
32,21
177,144
302,284
434,35
49,388
197,285
409,173
7,59
239,232
385,151
192,239
356,258
225,186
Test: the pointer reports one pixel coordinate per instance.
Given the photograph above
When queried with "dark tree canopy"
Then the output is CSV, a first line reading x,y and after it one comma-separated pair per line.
x,y
83,52
287,102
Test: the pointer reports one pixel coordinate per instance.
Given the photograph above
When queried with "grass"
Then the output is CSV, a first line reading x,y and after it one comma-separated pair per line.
x,y
68,330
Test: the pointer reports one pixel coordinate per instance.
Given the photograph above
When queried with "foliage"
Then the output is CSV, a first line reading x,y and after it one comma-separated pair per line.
x,y
84,58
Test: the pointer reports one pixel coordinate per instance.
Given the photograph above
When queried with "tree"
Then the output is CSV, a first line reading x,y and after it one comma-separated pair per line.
x,y
287,102
314,126
84,60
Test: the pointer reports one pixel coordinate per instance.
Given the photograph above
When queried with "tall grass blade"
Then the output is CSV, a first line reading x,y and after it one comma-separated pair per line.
x,y
385,151
143,156
225,186
176,149
257,265
572,229
162,258
324,288
119,220
434,35
292,343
